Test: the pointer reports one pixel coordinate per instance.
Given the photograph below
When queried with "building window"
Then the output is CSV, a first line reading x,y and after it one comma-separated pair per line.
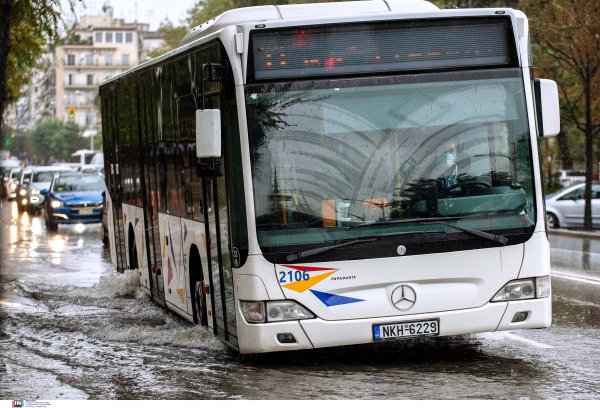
x,y
109,59
89,118
119,37
71,79
108,37
90,79
71,97
71,59
89,59
98,37
125,59
128,37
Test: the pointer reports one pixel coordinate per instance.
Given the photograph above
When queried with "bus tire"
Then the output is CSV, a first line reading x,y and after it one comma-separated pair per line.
x,y
133,255
196,284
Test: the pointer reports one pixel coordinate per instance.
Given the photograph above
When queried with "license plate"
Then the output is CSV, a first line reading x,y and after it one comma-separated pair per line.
x,y
88,211
419,328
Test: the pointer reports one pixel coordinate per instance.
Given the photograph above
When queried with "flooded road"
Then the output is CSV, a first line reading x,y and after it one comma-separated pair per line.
x,y
71,328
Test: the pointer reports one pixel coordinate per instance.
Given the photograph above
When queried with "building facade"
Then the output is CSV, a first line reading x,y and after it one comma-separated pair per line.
x,y
98,48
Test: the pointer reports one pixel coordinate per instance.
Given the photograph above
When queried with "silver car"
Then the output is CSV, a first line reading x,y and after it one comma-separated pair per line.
x,y
565,207
41,179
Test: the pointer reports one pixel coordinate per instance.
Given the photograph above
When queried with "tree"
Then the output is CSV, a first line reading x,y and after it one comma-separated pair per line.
x,y
28,28
566,37
53,137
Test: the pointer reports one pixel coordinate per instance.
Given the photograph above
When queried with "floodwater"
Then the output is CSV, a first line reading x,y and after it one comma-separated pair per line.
x,y
72,328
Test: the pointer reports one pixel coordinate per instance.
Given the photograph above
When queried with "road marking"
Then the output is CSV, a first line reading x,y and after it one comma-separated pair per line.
x,y
577,278
527,341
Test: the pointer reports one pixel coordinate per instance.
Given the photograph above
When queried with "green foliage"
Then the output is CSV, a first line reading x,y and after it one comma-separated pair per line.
x,y
53,137
35,28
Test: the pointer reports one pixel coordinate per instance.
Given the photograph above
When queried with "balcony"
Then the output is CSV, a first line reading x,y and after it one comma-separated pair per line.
x,y
81,85
97,65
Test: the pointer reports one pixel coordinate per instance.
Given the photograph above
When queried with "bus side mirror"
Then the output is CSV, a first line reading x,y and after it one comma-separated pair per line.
x,y
547,107
208,133
44,192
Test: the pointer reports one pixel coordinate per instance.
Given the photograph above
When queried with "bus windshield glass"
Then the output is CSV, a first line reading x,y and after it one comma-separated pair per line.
x,y
345,158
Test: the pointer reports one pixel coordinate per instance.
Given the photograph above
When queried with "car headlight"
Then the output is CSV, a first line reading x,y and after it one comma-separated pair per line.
x,y
23,192
55,204
523,289
35,191
13,186
274,311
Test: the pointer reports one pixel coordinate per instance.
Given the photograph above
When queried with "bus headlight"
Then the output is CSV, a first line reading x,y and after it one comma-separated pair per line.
x,y
13,186
274,311
55,204
281,311
35,191
524,289
23,192
254,312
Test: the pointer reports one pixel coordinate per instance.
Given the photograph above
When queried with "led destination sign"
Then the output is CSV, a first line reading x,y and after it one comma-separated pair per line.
x,y
381,47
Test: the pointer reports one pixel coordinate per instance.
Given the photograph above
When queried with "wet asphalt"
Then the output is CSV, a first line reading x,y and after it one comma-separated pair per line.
x,y
72,328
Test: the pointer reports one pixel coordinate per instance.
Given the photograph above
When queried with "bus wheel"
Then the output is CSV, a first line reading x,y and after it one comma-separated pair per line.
x,y
197,283
133,255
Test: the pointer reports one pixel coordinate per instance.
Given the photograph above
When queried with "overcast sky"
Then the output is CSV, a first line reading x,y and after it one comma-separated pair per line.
x,y
148,11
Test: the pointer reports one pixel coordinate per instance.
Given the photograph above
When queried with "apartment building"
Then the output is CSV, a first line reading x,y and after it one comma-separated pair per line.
x,y
98,48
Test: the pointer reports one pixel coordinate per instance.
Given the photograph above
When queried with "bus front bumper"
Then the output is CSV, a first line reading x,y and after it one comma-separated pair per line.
x,y
317,333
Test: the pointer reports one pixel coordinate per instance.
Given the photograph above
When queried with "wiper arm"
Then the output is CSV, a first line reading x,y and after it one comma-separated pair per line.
x,y
501,239
408,221
311,252
441,220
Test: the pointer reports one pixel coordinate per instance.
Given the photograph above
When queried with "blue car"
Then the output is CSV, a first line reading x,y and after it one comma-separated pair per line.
x,y
74,198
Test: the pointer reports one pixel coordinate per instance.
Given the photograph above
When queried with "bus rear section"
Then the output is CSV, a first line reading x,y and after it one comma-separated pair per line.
x,y
395,190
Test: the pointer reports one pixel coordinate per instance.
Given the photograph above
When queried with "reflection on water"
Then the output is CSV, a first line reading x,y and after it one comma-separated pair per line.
x,y
57,244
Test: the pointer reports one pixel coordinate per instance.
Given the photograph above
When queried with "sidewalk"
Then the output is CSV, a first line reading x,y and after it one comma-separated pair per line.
x,y
575,233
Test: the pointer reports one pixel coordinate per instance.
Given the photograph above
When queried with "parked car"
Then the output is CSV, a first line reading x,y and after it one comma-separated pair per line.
x,y
74,198
565,207
23,179
569,177
41,178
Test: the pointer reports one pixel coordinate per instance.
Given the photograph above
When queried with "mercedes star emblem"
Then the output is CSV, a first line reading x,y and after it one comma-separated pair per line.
x,y
403,297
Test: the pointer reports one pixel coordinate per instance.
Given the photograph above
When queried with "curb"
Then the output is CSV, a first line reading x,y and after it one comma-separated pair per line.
x,y
574,234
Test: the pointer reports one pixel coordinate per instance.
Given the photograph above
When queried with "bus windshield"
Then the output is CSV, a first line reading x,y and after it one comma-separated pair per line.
x,y
329,156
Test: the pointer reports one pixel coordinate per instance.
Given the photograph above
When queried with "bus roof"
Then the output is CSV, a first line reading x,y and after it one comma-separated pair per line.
x,y
261,14
297,11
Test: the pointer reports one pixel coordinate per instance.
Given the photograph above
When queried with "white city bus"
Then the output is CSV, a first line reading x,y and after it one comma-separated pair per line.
x,y
316,175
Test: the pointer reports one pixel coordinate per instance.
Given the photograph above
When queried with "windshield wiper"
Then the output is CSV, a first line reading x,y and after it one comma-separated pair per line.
x,y
501,239
407,221
441,220
311,252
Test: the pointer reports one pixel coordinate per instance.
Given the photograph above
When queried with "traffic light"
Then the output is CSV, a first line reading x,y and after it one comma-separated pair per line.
x,y
12,134
71,113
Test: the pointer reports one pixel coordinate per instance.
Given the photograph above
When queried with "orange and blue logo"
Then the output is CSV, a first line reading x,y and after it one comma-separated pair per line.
x,y
299,279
